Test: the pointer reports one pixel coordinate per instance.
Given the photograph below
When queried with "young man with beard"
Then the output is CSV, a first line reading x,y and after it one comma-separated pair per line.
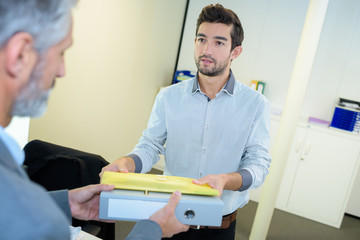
x,y
34,34
215,128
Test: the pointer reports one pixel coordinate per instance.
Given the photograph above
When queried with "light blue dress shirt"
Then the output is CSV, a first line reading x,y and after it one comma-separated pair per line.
x,y
229,133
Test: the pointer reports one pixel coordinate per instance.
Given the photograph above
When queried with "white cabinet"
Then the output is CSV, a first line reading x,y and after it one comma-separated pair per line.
x,y
319,174
353,206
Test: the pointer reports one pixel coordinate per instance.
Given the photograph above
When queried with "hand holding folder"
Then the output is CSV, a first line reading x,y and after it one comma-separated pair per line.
x,y
156,183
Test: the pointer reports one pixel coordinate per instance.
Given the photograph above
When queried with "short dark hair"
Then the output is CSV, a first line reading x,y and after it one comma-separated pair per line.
x,y
218,14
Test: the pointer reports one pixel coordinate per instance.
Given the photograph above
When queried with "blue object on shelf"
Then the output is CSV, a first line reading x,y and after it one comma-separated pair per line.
x,y
346,119
182,75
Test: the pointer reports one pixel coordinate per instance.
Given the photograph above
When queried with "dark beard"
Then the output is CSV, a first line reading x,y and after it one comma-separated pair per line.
x,y
210,72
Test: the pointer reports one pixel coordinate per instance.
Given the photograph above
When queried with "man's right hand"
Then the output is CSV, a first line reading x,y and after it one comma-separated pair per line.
x,y
166,218
124,164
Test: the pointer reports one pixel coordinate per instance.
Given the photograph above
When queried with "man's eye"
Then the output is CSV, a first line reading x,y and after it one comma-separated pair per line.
x,y
201,40
219,43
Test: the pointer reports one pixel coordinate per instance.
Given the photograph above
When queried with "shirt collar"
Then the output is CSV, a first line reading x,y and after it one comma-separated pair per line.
x,y
228,88
13,147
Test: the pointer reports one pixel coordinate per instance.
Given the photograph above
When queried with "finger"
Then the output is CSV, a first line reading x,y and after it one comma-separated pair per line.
x,y
109,168
106,221
113,168
174,199
123,170
102,172
106,187
199,181
95,189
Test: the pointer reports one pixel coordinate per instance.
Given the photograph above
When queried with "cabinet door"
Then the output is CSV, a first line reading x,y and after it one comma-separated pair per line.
x,y
296,149
323,177
353,205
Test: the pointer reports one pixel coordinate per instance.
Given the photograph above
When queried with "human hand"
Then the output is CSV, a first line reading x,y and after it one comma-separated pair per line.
x,y
166,218
124,165
84,201
215,181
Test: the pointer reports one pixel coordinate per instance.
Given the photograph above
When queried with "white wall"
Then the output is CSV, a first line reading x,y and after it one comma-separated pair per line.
x,y
123,52
336,69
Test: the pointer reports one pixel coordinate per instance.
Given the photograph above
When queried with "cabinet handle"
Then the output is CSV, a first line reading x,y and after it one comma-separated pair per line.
x,y
307,147
298,145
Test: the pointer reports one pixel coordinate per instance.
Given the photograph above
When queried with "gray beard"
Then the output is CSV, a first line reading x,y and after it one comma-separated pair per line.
x,y
32,101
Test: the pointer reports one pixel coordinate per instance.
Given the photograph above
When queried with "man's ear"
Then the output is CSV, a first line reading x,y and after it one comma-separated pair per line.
x,y
20,56
236,52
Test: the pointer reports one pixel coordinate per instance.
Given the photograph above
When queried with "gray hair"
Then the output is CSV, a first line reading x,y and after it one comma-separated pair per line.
x,y
48,21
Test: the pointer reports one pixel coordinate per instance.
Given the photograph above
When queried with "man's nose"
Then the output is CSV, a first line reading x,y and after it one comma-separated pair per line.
x,y
207,49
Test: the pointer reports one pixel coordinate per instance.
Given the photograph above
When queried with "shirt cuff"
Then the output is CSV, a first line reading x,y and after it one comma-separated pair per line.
x,y
246,179
138,163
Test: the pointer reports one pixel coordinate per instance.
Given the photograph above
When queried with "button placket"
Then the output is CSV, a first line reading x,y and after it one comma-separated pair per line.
x,y
205,140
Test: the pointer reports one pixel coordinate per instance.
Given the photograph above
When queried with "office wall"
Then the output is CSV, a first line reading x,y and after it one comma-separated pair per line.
x,y
123,52
336,69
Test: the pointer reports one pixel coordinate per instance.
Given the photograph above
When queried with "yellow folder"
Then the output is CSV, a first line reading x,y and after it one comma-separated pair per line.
x,y
156,183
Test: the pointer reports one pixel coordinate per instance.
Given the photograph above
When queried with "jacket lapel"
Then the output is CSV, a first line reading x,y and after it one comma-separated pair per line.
x,y
9,162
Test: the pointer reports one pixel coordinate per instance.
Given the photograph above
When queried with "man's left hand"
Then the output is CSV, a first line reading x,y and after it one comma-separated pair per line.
x,y
84,201
215,181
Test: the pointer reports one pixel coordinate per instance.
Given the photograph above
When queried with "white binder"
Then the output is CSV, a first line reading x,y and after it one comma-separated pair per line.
x,y
132,205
